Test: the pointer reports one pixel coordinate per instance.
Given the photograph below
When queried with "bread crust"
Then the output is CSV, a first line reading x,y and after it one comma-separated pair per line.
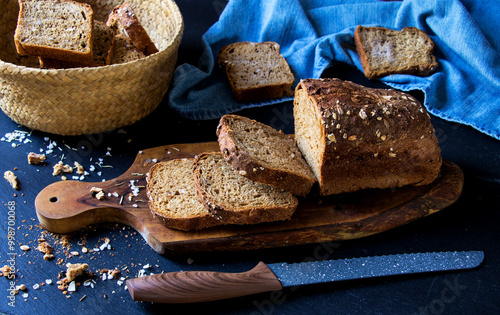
x,y
249,215
81,58
420,69
371,138
257,170
262,92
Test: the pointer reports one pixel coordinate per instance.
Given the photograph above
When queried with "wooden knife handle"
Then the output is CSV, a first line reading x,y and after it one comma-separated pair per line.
x,y
202,286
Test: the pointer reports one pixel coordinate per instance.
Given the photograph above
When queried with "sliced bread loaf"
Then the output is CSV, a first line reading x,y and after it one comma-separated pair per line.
x,y
123,20
235,199
173,199
384,51
101,51
256,71
124,50
57,29
264,155
355,137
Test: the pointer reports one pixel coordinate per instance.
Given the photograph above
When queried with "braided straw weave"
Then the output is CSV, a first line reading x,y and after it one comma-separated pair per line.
x,y
92,99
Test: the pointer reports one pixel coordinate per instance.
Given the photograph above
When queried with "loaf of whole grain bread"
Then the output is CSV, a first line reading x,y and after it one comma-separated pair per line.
x,y
383,51
355,137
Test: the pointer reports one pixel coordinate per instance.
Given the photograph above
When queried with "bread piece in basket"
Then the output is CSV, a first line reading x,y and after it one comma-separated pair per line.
x,y
57,29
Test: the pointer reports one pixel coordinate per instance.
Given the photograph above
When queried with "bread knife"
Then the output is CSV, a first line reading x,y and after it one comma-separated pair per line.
x,y
204,286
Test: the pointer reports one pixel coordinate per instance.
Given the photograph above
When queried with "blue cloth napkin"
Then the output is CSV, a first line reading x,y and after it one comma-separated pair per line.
x,y
315,35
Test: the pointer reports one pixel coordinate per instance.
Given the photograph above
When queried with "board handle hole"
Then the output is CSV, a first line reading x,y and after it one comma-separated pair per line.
x,y
53,199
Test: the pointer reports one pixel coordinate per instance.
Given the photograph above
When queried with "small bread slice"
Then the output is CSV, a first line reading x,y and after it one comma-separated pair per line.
x,y
57,29
123,20
234,199
256,71
103,42
262,154
104,39
173,199
384,51
124,50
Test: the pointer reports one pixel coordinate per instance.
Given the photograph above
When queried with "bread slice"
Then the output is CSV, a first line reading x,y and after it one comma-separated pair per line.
x,y
124,50
256,71
57,29
103,41
384,51
264,155
355,137
235,199
172,196
123,20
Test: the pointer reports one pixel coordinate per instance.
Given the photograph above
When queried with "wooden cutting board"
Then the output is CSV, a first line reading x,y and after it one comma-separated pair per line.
x,y
68,206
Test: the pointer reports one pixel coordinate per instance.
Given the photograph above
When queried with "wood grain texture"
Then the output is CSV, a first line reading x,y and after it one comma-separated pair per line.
x,y
68,206
202,286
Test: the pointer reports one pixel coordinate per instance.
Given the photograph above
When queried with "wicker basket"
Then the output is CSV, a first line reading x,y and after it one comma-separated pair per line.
x,y
94,99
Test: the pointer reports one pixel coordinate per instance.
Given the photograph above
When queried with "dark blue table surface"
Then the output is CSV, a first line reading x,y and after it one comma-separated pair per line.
x,y
469,224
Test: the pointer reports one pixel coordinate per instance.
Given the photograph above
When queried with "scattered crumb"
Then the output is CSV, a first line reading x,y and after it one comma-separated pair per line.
x,y
98,193
75,270
59,168
35,158
7,271
12,179
21,287
79,168
45,248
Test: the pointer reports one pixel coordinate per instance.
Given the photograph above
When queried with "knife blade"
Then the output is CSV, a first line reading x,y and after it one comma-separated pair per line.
x,y
204,286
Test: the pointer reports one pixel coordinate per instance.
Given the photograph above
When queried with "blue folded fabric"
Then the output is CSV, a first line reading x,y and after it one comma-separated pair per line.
x,y
316,35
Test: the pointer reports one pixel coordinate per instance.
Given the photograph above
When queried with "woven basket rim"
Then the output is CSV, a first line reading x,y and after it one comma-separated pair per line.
x,y
178,35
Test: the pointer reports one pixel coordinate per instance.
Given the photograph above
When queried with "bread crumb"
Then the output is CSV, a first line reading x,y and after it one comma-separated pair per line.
x,y
6,271
98,193
45,248
59,168
79,168
48,256
12,179
75,270
34,158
